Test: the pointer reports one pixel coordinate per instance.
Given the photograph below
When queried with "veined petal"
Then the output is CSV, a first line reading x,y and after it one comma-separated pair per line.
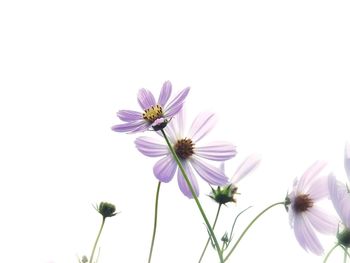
x,y
310,175
129,115
321,221
216,151
247,166
182,183
201,126
347,159
130,126
340,198
319,188
165,169
145,99
151,147
208,172
176,104
306,235
165,93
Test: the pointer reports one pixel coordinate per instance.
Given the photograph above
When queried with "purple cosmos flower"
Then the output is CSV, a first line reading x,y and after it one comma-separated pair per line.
x,y
152,111
189,151
304,213
347,159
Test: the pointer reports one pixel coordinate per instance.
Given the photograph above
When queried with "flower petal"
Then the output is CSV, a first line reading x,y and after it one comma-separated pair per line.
x,y
203,124
319,188
182,183
129,115
208,172
247,166
306,235
340,198
131,126
216,151
145,99
347,159
176,104
165,169
151,147
165,93
309,176
321,221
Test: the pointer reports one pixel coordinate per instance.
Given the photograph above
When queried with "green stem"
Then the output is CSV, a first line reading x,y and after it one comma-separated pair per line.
x,y
206,245
194,196
98,237
155,223
345,255
247,228
329,253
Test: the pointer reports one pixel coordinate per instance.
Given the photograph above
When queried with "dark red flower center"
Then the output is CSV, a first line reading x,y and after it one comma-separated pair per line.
x,y
302,203
184,148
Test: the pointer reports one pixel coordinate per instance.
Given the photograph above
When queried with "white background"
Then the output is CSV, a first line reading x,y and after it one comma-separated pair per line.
x,y
275,72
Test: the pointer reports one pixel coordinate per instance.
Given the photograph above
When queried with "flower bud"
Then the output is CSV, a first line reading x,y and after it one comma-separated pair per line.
x,y
106,209
344,237
224,195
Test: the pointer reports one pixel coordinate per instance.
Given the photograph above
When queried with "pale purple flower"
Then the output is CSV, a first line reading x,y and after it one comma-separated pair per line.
x,y
340,198
152,110
246,167
347,159
189,151
305,214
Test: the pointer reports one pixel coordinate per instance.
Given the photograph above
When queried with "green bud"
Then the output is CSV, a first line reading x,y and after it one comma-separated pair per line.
x,y
344,237
106,209
224,195
84,259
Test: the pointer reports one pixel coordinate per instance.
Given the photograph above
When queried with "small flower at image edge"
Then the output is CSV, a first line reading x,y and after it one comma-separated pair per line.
x,y
305,214
106,209
189,151
152,111
226,194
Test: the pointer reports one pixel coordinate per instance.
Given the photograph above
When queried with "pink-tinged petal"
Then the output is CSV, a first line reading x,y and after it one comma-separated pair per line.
x,y
347,159
131,126
129,115
146,99
165,169
222,167
182,183
246,167
151,147
216,151
340,198
176,104
319,188
309,176
321,221
165,93
208,172
306,235
201,126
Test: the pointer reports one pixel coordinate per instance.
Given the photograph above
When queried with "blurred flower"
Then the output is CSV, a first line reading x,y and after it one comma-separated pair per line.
x,y
347,159
189,152
227,193
341,201
152,110
106,209
304,213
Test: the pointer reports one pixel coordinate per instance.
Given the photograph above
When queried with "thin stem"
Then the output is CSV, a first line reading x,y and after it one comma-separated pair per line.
x,y
206,245
155,223
194,196
345,255
330,252
247,228
98,237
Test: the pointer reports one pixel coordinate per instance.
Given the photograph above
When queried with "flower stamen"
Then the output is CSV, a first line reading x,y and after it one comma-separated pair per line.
x,y
153,113
302,203
184,148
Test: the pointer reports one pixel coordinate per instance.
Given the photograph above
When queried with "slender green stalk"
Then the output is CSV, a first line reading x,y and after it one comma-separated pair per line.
x,y
98,237
194,196
155,223
206,245
247,228
330,252
345,255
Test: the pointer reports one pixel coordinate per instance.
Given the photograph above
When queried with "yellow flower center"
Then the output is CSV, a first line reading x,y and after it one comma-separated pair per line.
x,y
153,113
